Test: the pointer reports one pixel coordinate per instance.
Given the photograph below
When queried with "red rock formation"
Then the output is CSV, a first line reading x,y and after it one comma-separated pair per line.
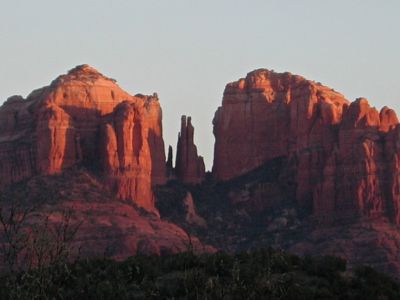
x,y
105,226
80,115
392,155
267,115
360,155
169,165
189,166
345,156
55,134
191,215
132,150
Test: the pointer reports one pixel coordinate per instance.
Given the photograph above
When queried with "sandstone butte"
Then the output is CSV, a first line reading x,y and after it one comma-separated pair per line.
x,y
85,118
344,156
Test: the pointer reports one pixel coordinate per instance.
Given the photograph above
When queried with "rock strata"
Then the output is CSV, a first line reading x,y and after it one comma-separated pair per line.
x,y
133,158
85,118
344,155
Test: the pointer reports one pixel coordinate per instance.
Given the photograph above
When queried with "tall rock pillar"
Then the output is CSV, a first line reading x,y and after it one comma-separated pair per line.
x,y
189,165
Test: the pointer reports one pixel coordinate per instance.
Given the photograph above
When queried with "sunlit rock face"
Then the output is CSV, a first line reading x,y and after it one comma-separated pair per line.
x,y
85,118
344,155
267,115
190,167
133,157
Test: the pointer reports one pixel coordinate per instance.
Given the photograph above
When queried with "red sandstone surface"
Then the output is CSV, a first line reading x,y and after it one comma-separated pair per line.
x,y
344,155
85,118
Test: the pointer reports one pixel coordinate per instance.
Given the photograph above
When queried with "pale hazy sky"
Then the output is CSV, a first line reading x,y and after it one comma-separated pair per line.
x,y
187,51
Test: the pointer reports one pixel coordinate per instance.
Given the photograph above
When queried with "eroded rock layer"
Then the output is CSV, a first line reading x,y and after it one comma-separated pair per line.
x,y
85,118
344,155
133,158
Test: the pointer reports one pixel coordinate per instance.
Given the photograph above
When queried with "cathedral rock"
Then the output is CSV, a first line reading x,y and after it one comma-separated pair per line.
x,y
296,166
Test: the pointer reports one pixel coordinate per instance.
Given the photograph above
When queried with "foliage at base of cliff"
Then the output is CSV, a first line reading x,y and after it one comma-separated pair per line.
x,y
262,274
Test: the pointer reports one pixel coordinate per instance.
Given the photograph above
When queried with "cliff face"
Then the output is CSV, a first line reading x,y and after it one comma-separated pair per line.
x,y
132,150
85,118
267,115
340,152
189,166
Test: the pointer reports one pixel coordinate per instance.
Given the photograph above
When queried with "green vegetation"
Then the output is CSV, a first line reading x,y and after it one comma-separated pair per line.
x,y
262,274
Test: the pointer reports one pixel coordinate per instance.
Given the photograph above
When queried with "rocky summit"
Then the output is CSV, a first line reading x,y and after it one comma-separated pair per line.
x,y
296,166
344,156
85,118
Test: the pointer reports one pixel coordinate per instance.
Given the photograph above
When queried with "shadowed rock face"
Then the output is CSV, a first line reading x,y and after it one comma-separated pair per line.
x,y
189,166
344,155
105,226
85,118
